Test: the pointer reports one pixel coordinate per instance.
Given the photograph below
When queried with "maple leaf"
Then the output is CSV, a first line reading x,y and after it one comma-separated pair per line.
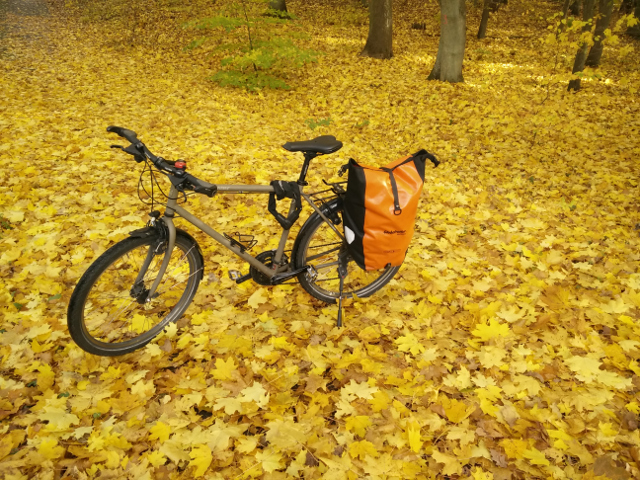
x,y
535,456
362,449
257,298
224,369
50,449
413,435
284,434
451,464
409,343
455,410
230,405
586,368
491,356
494,329
358,424
255,393
160,432
360,390
201,458
269,460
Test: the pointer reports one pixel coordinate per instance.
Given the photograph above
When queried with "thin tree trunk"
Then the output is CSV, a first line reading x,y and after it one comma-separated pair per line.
x,y
448,66
565,14
574,8
280,5
635,30
581,56
605,8
380,40
482,31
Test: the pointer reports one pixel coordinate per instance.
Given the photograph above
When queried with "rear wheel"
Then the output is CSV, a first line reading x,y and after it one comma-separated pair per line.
x,y
108,312
319,247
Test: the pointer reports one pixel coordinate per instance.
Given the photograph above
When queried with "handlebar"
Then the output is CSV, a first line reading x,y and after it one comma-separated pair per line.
x,y
183,179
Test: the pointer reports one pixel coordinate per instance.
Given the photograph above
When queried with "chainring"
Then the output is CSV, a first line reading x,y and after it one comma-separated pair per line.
x,y
266,258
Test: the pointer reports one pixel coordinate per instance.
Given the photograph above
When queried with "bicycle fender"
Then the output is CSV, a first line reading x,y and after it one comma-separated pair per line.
x,y
149,231
328,209
143,232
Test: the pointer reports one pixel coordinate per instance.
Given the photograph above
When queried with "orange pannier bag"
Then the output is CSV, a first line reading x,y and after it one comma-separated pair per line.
x,y
380,209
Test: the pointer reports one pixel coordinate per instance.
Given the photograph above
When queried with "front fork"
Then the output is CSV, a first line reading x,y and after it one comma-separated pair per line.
x,y
170,231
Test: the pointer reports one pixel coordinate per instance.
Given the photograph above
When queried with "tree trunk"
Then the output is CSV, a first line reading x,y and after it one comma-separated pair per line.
x,y
448,66
380,40
581,56
574,8
605,8
482,31
626,7
635,30
280,5
565,14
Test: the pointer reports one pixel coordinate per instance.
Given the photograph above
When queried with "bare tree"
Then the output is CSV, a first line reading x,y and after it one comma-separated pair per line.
x,y
448,66
490,6
605,8
581,56
380,40
635,30
280,5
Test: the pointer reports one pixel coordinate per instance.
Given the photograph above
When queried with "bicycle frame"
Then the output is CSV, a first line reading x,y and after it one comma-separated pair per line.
x,y
172,208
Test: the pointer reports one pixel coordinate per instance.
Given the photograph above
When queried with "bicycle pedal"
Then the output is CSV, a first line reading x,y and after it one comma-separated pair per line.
x,y
237,276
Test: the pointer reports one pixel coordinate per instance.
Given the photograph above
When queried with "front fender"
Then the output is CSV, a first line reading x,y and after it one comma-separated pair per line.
x,y
160,229
147,231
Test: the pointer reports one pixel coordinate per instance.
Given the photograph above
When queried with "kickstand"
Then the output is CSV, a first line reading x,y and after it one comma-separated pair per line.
x,y
342,273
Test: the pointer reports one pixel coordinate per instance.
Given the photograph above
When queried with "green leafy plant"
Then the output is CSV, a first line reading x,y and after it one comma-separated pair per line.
x,y
258,45
320,122
4,223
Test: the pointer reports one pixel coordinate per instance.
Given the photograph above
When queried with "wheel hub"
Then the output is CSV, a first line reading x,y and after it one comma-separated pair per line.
x,y
139,292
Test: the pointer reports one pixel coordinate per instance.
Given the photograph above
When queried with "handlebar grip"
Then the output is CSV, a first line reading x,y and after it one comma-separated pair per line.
x,y
200,186
124,133
208,191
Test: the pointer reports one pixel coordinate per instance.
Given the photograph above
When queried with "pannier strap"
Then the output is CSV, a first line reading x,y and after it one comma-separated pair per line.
x,y
394,188
433,159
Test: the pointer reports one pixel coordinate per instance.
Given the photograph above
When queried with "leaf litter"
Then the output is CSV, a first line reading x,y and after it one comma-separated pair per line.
x,y
508,346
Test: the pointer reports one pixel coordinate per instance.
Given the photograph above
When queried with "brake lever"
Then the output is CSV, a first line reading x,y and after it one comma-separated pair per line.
x,y
136,156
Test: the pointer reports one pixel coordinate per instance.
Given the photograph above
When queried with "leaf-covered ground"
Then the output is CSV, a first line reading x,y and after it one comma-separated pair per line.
x,y
507,347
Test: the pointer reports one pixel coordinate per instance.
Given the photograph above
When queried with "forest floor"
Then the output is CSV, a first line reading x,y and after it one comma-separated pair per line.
x,y
508,345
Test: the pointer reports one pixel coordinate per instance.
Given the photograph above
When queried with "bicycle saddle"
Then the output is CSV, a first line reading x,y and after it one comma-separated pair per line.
x,y
323,144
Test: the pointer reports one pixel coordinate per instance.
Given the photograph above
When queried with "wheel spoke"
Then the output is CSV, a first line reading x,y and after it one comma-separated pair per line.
x,y
109,313
321,249
318,255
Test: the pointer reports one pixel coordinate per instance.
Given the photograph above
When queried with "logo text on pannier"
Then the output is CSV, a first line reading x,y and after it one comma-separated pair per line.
x,y
391,232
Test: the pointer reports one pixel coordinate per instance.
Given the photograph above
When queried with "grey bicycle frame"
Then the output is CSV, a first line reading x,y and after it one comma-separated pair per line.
x,y
173,208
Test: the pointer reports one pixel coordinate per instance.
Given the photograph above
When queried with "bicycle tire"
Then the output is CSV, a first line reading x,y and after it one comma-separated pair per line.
x,y
116,271
314,234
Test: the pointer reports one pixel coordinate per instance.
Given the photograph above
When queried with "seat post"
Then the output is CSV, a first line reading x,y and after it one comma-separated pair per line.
x,y
308,156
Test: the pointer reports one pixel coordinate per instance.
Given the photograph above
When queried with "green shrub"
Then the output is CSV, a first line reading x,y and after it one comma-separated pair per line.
x,y
258,44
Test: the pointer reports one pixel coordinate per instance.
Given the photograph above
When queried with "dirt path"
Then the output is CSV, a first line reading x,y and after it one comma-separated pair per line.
x,y
16,17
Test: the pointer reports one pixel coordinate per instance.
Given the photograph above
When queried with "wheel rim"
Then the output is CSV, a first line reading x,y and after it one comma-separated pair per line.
x,y
112,316
321,252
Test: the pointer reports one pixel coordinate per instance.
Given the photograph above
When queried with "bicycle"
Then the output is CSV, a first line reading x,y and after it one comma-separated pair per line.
x,y
124,299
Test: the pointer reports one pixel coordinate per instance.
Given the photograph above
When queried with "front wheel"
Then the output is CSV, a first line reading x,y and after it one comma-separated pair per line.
x,y
109,313
320,248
